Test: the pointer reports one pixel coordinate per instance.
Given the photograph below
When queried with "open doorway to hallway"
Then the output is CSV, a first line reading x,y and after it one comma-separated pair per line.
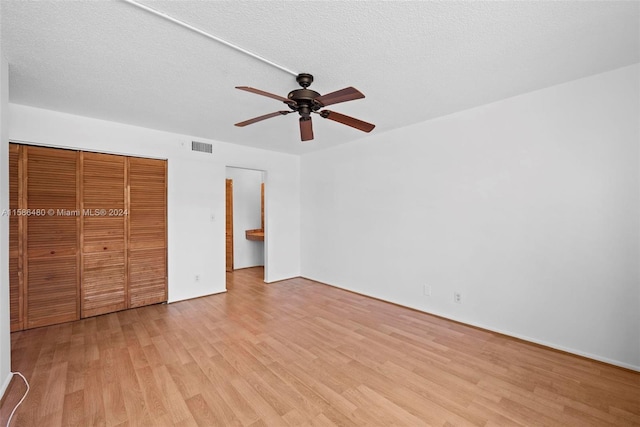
x,y
245,218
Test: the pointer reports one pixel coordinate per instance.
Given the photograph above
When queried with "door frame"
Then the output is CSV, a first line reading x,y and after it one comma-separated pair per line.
x,y
228,225
265,177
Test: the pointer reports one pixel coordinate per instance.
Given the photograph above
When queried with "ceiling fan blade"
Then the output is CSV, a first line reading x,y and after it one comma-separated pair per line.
x,y
306,129
263,93
342,95
260,118
347,120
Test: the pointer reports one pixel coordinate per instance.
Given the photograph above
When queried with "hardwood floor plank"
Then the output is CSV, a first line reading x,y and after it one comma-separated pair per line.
x,y
75,365
579,409
94,411
377,386
631,419
218,369
267,413
242,409
424,395
152,355
137,355
304,396
373,411
280,349
295,418
73,409
222,412
170,395
38,378
299,353
164,351
134,398
153,399
268,393
189,379
91,350
335,418
114,403
333,398
202,413
141,332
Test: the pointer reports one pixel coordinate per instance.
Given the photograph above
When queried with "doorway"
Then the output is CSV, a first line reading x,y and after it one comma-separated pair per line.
x,y
245,218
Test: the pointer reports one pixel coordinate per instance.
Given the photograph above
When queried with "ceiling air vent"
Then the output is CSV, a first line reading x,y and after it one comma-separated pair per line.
x,y
202,147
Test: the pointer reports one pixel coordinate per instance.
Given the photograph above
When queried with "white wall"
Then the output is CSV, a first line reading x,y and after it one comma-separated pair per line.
x,y
5,339
529,207
196,189
246,216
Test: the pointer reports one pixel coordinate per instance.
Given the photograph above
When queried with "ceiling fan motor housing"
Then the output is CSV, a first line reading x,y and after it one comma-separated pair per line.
x,y
304,98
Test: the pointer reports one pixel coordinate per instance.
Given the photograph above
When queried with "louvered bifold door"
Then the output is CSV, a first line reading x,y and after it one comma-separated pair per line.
x,y
50,267
103,229
147,238
15,281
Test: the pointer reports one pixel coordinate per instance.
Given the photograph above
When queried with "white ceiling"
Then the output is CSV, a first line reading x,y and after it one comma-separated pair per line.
x,y
413,60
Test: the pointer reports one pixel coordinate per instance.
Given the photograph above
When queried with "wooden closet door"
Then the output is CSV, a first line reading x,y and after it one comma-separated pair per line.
x,y
147,238
15,284
50,267
104,215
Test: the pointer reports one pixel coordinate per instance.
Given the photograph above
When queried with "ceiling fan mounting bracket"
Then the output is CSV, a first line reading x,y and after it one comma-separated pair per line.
x,y
304,80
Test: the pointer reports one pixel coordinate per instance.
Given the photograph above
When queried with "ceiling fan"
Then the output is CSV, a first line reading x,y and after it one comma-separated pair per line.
x,y
306,101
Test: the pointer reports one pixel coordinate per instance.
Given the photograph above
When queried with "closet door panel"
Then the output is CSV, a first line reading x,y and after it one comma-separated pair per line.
x,y
15,285
103,234
103,283
147,276
51,236
15,292
147,250
52,291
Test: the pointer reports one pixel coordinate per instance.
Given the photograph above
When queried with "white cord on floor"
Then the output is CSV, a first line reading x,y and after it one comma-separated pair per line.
x,y
21,400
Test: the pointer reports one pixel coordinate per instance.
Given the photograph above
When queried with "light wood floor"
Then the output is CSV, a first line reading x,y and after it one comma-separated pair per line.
x,y
301,353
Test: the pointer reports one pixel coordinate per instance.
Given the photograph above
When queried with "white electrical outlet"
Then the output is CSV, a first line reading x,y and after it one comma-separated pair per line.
x,y
457,297
426,290
197,277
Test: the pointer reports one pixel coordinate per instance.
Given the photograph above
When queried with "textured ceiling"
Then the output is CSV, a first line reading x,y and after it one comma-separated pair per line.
x,y
413,60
